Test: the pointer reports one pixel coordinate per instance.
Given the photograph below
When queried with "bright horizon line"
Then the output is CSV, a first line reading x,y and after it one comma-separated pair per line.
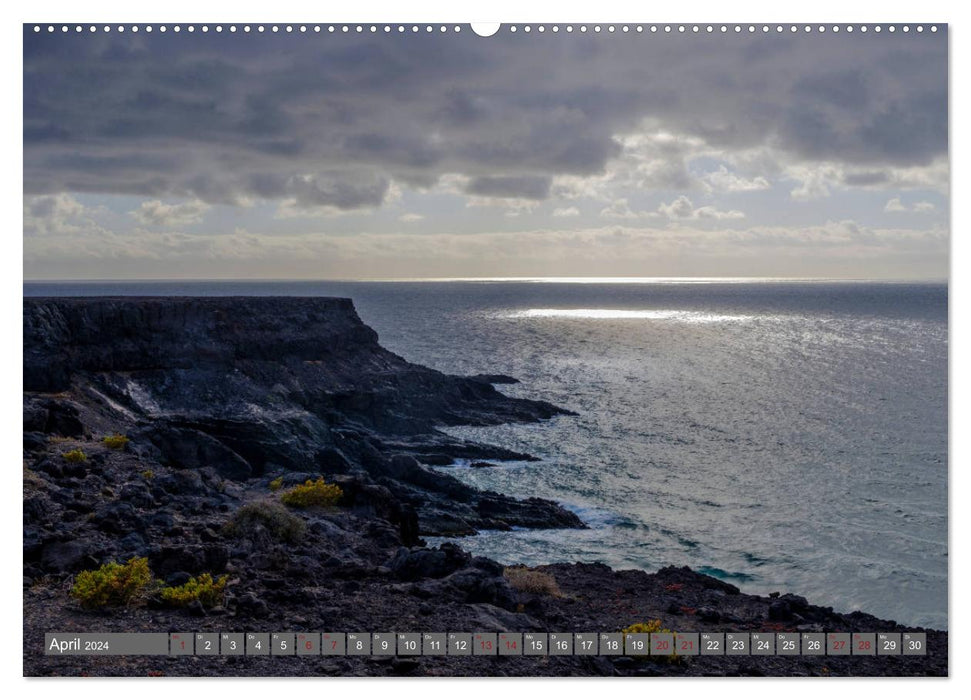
x,y
526,278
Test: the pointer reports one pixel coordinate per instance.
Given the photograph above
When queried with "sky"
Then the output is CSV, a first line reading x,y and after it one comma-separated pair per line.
x,y
332,155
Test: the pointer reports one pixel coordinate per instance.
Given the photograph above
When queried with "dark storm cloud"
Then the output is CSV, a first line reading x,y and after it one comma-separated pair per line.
x,y
331,120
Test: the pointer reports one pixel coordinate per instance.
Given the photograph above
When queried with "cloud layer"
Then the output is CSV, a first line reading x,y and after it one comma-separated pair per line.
x,y
196,133
329,120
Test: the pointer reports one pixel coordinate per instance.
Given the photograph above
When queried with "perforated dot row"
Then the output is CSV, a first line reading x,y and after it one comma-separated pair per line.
x,y
428,28
724,28
247,28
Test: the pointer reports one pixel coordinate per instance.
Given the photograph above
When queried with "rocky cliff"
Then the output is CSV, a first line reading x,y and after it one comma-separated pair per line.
x,y
259,385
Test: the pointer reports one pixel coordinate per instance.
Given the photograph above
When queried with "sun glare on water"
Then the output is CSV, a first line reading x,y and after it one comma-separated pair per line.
x,y
649,314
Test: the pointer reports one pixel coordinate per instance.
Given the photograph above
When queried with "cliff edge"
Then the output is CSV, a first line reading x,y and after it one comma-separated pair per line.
x,y
252,386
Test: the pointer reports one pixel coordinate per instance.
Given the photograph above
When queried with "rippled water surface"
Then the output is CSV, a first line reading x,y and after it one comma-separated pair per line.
x,y
784,436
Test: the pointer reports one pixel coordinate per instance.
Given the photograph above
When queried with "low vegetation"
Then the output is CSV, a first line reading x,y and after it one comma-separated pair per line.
x,y
653,626
265,516
75,455
276,484
113,584
311,494
204,588
528,580
115,442
32,479
645,627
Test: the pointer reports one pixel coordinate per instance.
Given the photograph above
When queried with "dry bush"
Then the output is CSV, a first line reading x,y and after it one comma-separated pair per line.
x,y
528,580
268,516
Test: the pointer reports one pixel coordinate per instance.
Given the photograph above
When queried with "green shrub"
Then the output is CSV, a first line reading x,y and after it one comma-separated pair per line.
x,y
75,455
207,591
276,484
148,474
312,493
113,584
115,442
265,515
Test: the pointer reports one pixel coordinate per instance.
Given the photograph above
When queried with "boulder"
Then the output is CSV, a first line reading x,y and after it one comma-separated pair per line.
x,y
416,564
67,557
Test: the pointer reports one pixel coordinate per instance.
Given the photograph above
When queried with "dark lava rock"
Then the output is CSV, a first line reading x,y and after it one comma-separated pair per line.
x,y
249,604
780,611
428,563
34,441
190,448
138,494
181,483
494,379
537,513
52,416
118,518
133,544
490,566
66,557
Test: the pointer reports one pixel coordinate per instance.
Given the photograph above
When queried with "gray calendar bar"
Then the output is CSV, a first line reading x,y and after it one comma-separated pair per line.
x,y
737,644
433,644
283,644
914,643
535,644
662,643
106,644
308,644
182,644
485,644
510,644
585,644
864,644
207,643
686,644
888,643
333,643
712,644
231,644
561,644
383,644
611,644
302,644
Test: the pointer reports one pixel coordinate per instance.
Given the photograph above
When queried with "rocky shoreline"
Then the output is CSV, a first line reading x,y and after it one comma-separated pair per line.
x,y
222,402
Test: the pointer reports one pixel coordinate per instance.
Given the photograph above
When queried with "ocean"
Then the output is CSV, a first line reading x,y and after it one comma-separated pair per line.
x,y
781,435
